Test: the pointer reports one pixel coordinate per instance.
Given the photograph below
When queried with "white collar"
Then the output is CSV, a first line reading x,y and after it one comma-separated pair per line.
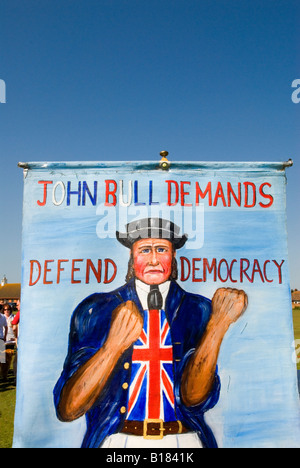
x,y
143,290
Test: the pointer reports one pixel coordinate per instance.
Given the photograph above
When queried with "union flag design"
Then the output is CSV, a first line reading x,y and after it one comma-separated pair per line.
x,y
151,394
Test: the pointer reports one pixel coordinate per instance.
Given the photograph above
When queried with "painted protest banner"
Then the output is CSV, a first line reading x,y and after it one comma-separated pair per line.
x,y
156,308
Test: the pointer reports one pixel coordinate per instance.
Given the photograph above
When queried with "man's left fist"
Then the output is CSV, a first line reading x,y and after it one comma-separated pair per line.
x,y
228,305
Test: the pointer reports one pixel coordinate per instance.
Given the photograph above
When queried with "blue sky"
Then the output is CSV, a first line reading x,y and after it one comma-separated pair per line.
x,y
207,80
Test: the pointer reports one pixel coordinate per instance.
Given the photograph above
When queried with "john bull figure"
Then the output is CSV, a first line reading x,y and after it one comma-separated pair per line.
x,y
142,360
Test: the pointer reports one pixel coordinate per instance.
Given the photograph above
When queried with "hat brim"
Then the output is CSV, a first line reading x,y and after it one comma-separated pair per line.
x,y
153,233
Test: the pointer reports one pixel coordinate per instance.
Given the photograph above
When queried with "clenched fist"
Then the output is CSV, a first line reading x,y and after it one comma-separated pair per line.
x,y
228,305
126,326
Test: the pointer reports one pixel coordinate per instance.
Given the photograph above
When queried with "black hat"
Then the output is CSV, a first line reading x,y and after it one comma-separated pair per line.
x,y
152,228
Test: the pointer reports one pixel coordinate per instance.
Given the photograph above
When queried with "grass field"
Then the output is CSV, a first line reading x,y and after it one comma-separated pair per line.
x,y
7,408
8,396
296,317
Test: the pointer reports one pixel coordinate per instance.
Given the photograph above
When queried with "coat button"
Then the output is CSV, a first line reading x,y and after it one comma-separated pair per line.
x,y
123,410
125,385
126,365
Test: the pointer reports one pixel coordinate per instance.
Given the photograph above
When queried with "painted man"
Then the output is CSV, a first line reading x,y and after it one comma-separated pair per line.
x,y
142,360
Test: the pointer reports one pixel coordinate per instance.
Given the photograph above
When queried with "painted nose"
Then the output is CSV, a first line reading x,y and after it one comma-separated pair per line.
x,y
154,260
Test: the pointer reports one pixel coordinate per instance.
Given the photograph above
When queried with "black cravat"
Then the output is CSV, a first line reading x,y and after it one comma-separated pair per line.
x,y
155,299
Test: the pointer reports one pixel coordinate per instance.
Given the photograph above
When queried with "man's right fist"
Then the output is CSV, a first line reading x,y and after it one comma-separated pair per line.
x,y
126,326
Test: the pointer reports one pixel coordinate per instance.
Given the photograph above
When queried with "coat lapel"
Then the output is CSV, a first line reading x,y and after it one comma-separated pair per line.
x,y
128,293
174,301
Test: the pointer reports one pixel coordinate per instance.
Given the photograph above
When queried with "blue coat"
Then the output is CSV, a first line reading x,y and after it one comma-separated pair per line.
x,y
188,315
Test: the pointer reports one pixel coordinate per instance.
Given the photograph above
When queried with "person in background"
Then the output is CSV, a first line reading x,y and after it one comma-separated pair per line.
x,y
7,311
15,324
3,334
9,342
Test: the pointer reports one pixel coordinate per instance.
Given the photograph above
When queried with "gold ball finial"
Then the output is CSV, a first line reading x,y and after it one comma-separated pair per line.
x,y
164,163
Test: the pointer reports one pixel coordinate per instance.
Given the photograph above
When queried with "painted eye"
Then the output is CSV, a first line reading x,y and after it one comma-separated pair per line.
x,y
146,251
161,250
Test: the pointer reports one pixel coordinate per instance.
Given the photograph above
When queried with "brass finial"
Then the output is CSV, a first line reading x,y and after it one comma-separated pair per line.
x,y
164,162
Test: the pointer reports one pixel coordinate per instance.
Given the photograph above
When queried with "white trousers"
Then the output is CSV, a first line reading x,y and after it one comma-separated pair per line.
x,y
189,440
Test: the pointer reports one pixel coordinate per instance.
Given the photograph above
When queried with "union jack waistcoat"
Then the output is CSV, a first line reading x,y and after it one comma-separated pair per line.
x,y
151,392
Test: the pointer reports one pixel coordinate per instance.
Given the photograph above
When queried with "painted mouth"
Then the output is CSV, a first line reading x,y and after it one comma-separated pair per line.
x,y
153,271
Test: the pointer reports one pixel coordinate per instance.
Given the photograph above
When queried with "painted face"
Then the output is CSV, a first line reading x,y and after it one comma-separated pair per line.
x,y
6,311
152,260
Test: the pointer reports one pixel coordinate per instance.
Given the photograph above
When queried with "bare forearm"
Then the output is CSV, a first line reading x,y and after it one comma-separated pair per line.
x,y
227,307
82,390
199,376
